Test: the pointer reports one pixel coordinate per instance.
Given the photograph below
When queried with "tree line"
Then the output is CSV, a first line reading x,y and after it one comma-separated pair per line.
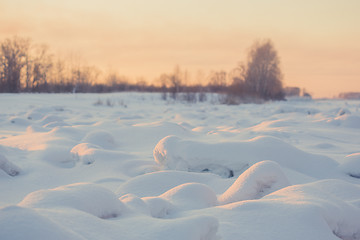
x,y
28,67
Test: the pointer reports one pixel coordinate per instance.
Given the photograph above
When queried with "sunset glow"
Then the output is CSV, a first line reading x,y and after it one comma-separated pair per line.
x,y
317,41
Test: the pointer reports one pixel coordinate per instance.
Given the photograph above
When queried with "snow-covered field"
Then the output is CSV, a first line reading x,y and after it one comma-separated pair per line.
x,y
131,166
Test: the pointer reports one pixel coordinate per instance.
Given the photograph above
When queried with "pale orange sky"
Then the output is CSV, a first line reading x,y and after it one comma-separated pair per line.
x,y
317,41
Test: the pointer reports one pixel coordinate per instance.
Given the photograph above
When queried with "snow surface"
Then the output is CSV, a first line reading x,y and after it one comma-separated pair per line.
x,y
143,168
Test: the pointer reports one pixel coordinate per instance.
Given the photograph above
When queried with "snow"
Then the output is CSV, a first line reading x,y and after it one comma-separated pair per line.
x,y
8,167
90,198
351,165
343,218
227,158
19,223
259,180
308,211
101,138
151,169
202,196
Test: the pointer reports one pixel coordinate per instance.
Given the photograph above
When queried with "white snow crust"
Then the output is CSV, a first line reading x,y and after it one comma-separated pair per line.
x,y
153,169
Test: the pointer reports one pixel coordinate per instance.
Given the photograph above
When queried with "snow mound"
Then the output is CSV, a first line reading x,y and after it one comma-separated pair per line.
x,y
156,183
84,153
85,197
343,111
41,113
186,196
229,158
173,153
310,211
135,203
19,121
346,120
88,153
35,114
158,207
350,121
259,180
51,119
351,165
68,132
34,129
8,167
189,228
191,196
343,190
18,223
343,218
101,138
57,155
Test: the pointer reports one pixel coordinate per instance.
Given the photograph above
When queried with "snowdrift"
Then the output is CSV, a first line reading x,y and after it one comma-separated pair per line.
x,y
351,165
19,223
149,169
229,158
89,198
309,211
259,180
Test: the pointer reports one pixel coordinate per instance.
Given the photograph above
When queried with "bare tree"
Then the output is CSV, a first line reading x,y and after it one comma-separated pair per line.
x,y
116,82
175,82
218,81
84,78
262,74
42,64
59,80
2,73
164,86
13,53
141,84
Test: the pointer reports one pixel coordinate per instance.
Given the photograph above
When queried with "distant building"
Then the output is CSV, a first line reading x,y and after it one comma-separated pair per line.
x,y
350,95
296,92
292,92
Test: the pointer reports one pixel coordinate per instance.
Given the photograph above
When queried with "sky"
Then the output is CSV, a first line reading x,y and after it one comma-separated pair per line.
x,y
317,41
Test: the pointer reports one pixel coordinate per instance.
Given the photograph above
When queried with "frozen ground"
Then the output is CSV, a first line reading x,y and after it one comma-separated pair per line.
x,y
131,166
